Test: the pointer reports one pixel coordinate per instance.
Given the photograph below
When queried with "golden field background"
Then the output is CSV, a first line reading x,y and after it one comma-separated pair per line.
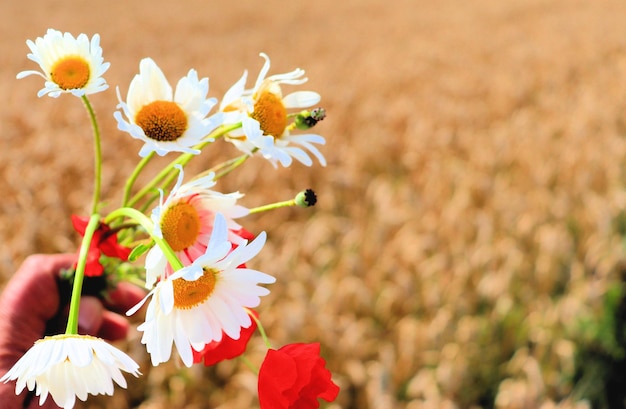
x,y
469,219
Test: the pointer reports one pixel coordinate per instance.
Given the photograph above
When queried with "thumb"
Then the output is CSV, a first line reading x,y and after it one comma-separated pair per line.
x,y
90,316
29,300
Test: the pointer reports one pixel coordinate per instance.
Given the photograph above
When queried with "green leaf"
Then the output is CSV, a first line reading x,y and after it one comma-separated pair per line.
x,y
138,251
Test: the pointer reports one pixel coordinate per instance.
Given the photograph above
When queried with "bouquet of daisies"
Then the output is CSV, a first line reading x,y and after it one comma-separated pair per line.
x,y
201,294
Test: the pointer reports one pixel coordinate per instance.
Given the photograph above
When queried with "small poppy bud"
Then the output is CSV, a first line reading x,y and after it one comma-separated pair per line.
x,y
306,198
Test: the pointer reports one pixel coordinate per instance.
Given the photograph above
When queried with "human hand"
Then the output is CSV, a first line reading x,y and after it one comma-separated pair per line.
x,y
31,306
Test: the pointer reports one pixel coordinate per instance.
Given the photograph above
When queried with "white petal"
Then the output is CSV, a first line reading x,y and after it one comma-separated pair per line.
x,y
80,371
140,304
182,345
166,296
235,91
79,355
263,72
301,99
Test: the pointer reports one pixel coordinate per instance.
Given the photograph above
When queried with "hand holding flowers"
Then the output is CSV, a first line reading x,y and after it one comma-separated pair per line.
x,y
34,302
195,249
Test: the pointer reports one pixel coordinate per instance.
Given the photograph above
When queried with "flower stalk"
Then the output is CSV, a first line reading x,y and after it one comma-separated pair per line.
x,y
79,275
181,160
97,155
306,198
256,319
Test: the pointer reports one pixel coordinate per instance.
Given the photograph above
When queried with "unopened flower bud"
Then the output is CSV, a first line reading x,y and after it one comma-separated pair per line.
x,y
308,119
306,198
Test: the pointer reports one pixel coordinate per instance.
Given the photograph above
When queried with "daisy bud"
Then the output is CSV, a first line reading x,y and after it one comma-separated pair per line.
x,y
308,119
306,198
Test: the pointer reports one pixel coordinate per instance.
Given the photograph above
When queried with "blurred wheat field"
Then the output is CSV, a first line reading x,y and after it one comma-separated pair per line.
x,y
470,219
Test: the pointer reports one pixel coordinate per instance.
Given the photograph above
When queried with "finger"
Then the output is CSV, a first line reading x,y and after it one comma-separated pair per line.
x,y
47,263
124,297
90,315
28,301
114,326
94,319
34,286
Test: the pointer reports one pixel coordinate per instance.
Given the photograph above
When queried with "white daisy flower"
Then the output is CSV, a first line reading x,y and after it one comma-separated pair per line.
x,y
198,303
68,64
70,366
265,121
185,221
166,121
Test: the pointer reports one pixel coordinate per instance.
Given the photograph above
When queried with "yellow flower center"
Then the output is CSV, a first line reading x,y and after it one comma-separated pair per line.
x,y
271,114
180,226
162,121
71,73
188,294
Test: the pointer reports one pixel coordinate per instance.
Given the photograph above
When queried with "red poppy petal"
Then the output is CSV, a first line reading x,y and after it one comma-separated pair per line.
x,y
80,224
277,376
244,234
227,348
306,356
312,379
93,268
110,247
322,385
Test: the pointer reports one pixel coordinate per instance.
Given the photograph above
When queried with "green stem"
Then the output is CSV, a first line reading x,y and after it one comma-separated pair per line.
x,y
79,275
260,328
249,364
148,226
286,203
152,185
148,202
220,171
224,165
231,166
97,155
133,177
136,281
182,160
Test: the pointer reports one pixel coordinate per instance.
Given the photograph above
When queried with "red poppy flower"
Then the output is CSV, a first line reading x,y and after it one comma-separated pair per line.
x,y
244,234
104,241
295,376
227,348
